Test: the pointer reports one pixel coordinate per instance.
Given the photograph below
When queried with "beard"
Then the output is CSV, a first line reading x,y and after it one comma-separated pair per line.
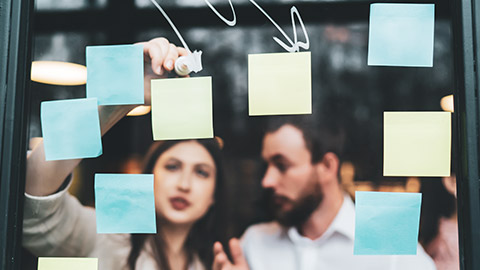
x,y
302,208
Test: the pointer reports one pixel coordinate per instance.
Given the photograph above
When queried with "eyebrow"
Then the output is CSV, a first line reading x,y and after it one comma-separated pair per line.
x,y
195,164
205,165
279,158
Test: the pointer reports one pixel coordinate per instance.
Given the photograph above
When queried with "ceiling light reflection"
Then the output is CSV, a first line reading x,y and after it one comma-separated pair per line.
x,y
447,103
58,73
139,110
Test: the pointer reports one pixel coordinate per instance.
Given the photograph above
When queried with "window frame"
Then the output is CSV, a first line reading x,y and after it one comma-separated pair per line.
x,y
16,17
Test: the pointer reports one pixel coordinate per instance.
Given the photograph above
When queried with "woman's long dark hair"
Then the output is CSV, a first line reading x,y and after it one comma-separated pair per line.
x,y
204,232
437,202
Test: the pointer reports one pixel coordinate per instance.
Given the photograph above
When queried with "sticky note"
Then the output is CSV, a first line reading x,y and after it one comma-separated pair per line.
x,y
417,143
279,84
52,263
71,129
115,74
125,203
182,108
401,35
386,223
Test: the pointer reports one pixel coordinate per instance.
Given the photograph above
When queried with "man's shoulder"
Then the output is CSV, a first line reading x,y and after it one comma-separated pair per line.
x,y
264,231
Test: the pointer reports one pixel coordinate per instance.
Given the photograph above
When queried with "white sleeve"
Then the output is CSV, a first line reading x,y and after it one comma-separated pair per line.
x,y
58,225
245,242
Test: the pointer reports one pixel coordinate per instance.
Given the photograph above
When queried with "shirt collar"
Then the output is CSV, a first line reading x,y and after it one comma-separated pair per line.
x,y
343,223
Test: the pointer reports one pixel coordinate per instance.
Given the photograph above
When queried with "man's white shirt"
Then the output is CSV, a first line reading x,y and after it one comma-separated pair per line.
x,y
271,246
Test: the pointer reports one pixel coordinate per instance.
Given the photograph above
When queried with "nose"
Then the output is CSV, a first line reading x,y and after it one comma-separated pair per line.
x,y
184,182
270,179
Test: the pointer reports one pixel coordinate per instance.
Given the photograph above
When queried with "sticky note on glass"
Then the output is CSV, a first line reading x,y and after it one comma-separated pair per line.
x,y
401,35
71,129
182,108
386,223
417,143
279,84
52,263
115,74
125,203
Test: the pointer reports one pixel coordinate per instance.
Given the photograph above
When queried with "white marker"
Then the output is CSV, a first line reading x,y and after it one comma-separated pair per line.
x,y
181,67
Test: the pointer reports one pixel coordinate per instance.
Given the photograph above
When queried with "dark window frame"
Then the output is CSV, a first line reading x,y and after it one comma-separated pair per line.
x,y
16,18
15,63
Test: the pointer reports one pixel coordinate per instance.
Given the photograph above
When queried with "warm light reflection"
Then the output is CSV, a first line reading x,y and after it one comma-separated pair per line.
x,y
139,110
58,73
447,103
34,141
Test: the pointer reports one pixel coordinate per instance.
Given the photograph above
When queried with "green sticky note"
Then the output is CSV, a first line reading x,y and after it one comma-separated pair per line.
x,y
386,223
279,84
63,263
417,143
182,108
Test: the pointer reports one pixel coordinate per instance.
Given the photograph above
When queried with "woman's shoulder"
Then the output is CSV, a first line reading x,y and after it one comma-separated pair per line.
x,y
112,250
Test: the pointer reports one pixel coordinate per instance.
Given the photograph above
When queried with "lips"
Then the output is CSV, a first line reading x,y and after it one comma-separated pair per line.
x,y
279,200
179,203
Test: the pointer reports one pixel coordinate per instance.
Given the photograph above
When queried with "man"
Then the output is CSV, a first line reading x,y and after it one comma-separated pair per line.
x,y
315,219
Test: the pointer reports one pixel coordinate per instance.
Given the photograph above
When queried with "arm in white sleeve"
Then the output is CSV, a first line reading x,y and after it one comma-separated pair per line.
x,y
58,225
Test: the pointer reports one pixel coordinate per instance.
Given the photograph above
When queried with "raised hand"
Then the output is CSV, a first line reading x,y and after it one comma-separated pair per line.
x,y
159,60
221,261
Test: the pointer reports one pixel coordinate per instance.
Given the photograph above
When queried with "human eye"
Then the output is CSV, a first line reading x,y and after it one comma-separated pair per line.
x,y
172,166
202,172
281,166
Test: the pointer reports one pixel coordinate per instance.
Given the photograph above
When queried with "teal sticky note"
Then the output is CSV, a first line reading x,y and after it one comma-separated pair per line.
x,y
401,35
115,74
386,223
71,129
125,203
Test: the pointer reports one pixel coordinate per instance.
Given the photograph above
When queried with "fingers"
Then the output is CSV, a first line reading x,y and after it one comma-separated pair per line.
x,y
156,50
217,248
172,55
237,253
220,259
182,51
161,54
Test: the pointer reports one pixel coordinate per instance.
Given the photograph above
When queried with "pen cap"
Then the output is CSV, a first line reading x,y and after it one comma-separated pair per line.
x,y
181,67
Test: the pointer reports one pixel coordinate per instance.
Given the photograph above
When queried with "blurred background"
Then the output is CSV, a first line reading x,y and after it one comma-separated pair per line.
x,y
343,86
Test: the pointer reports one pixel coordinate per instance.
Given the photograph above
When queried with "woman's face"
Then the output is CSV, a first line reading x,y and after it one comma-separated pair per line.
x,y
184,183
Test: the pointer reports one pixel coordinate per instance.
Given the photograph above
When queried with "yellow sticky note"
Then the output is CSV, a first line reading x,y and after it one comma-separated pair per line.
x,y
417,143
63,263
279,83
182,108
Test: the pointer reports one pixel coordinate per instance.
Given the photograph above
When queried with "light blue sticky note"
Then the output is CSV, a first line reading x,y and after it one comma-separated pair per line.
x,y
401,35
125,203
386,223
71,129
115,74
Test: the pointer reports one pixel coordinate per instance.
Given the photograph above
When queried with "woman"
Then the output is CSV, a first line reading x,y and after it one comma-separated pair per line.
x,y
187,182
188,177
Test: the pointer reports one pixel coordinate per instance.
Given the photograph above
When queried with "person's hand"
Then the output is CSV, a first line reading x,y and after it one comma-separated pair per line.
x,y
159,60
221,261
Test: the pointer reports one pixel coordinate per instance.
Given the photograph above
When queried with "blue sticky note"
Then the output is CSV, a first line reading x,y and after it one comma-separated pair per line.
x,y
125,203
71,129
401,35
386,223
115,74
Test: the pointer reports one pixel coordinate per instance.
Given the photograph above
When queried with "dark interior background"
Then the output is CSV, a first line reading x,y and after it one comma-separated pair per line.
x,y
343,86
